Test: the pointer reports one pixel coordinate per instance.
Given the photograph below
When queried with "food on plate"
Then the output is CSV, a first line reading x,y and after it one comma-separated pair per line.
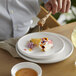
x,y
43,43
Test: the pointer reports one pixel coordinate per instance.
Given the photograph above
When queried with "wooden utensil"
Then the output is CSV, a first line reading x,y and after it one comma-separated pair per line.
x,y
42,21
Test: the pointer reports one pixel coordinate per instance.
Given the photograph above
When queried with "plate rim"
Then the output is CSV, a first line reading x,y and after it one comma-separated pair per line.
x,y
33,56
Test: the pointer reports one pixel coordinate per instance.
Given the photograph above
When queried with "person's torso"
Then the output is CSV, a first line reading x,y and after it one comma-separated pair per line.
x,y
5,21
20,12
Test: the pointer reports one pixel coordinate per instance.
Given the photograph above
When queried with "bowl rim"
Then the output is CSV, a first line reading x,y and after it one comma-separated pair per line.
x,y
36,65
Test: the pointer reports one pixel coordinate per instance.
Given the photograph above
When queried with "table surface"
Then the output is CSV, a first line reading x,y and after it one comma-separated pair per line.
x,y
63,68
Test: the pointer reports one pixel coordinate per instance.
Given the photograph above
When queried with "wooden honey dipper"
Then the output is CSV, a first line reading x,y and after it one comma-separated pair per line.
x,y
42,21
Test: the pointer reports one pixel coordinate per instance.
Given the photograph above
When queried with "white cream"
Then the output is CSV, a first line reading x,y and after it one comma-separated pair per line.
x,y
47,46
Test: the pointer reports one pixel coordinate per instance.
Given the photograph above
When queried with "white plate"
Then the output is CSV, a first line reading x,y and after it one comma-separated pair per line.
x,y
67,51
36,52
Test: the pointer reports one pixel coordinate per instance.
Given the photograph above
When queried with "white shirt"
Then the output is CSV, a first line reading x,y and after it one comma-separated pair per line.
x,y
15,17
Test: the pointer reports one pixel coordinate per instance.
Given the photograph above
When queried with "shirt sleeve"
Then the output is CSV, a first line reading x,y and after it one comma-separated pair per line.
x,y
45,1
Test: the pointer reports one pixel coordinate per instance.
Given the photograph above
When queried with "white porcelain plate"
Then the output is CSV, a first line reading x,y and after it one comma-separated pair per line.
x,y
36,52
67,51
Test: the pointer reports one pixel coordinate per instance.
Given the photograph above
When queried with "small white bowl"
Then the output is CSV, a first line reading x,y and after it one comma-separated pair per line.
x,y
21,65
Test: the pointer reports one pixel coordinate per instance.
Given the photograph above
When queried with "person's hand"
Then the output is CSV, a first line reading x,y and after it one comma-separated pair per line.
x,y
58,6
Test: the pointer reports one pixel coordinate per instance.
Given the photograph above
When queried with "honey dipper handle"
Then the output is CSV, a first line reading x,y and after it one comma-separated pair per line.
x,y
43,20
47,15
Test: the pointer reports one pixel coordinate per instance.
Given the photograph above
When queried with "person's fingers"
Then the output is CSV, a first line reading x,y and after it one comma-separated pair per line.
x,y
48,6
64,3
68,5
59,5
54,6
